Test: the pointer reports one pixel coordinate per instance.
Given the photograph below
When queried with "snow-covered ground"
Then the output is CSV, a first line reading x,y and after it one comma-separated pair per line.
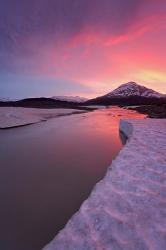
x,y
126,210
14,117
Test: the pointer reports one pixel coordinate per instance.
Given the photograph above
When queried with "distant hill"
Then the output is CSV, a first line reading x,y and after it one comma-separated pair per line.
x,y
129,93
42,102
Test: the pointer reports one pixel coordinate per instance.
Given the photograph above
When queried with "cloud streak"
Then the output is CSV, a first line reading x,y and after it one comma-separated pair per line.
x,y
25,25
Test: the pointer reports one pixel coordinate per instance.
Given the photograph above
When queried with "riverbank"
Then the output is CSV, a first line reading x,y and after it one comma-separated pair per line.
x,y
126,209
152,111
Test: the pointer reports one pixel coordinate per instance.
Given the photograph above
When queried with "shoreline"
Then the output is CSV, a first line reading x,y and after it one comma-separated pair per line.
x,y
152,111
125,209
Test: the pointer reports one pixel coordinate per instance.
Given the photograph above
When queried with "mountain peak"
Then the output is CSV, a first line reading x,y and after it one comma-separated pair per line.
x,y
130,84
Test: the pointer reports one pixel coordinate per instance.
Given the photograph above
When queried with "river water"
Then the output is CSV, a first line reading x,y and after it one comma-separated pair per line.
x,y
48,169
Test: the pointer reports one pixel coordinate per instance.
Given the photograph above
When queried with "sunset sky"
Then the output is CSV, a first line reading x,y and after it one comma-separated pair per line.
x,y
80,47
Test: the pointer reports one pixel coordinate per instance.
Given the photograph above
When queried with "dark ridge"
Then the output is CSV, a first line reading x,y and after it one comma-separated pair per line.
x,y
44,103
126,101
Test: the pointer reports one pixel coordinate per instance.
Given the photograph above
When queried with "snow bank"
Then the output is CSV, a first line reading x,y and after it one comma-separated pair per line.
x,y
15,117
126,209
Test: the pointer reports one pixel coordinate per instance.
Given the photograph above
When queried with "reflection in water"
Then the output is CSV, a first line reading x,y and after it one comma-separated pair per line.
x,y
47,170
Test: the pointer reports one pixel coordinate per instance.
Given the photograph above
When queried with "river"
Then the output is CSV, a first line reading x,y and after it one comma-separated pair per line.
x,y
48,169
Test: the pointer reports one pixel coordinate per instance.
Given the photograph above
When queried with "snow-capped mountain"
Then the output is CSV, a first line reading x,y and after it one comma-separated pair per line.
x,y
129,93
6,99
133,89
75,99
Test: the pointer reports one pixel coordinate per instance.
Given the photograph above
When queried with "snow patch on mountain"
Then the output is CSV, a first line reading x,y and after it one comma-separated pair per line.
x,y
76,99
133,89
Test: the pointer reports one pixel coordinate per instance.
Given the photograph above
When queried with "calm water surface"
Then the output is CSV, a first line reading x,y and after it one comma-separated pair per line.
x,y
48,169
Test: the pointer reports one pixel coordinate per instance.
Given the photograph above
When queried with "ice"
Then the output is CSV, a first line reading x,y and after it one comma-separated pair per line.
x,y
95,106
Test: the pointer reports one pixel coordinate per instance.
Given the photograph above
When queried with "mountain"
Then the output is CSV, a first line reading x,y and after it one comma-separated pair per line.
x,y
74,99
133,89
129,93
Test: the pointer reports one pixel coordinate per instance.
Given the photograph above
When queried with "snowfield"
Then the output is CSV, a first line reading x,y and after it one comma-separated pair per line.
x,y
15,116
126,210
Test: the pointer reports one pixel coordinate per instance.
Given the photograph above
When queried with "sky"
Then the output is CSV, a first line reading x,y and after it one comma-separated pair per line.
x,y
80,47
